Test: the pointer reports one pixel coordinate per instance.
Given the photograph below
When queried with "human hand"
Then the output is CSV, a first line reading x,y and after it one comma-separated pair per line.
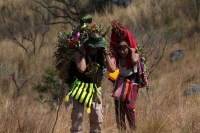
x,y
131,49
105,51
82,49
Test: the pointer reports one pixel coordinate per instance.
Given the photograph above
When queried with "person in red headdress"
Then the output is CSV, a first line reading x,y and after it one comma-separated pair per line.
x,y
123,48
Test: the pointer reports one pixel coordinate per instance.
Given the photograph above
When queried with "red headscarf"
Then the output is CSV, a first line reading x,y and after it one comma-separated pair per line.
x,y
113,45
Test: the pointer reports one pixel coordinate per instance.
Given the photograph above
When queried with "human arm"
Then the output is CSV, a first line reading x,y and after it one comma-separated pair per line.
x,y
109,61
79,57
134,56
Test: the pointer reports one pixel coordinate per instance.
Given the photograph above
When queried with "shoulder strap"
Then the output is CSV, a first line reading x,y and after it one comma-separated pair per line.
x,y
89,58
92,69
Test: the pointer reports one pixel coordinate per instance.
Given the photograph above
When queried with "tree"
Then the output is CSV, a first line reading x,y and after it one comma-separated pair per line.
x,y
22,27
154,46
50,86
67,11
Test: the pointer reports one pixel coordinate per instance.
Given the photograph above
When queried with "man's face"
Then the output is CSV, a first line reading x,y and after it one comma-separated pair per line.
x,y
92,51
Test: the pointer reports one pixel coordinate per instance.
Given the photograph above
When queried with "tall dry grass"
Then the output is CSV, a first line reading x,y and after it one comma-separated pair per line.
x,y
165,110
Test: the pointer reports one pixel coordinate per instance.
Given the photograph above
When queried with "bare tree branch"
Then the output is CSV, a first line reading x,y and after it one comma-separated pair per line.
x,y
24,29
46,29
13,78
154,47
15,81
60,99
65,11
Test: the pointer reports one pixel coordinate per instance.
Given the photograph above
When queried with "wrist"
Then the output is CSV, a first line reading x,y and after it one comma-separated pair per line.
x,y
82,53
132,50
105,52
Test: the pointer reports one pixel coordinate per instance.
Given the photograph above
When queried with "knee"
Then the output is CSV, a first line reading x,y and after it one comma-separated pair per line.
x,y
77,116
97,115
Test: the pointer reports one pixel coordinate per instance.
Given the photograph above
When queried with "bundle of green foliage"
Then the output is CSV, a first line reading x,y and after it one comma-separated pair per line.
x,y
68,43
49,85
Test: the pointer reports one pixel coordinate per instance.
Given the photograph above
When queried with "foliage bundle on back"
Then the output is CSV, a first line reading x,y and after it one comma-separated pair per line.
x,y
140,51
68,43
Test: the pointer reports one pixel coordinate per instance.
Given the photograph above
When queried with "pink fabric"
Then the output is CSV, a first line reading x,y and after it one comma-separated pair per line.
x,y
120,88
116,93
76,36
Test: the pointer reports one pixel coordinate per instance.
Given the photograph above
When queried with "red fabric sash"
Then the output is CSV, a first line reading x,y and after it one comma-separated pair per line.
x,y
122,89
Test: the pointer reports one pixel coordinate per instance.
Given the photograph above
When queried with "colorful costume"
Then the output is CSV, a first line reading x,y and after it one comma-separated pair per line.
x,y
124,106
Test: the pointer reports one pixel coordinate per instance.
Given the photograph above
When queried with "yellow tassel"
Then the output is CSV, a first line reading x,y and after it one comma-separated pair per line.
x,y
67,98
88,110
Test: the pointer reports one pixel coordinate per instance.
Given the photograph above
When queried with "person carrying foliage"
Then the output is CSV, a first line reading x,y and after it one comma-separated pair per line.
x,y
131,77
91,58
86,59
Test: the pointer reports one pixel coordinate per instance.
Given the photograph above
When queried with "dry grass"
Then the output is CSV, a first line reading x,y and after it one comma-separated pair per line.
x,y
165,111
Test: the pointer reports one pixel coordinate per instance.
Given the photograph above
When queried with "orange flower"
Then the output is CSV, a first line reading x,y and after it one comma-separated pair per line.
x,y
74,43
93,27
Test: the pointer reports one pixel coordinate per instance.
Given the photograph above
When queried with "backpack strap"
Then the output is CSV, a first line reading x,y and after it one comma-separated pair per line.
x,y
93,77
93,70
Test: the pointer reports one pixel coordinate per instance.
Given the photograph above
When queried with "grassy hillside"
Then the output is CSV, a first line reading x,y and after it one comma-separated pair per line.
x,y
165,110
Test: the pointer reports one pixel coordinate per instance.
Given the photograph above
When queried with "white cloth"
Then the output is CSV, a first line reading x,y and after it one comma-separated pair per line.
x,y
123,71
